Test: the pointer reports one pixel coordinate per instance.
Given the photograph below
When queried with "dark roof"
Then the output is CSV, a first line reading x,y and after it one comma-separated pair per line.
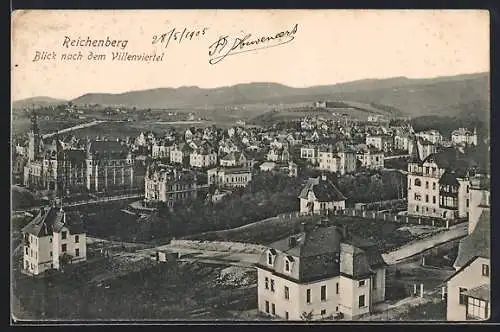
x,y
476,244
451,158
53,220
323,189
107,148
482,292
324,252
449,178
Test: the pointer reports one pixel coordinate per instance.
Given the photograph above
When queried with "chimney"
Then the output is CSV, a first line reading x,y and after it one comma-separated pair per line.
x,y
292,241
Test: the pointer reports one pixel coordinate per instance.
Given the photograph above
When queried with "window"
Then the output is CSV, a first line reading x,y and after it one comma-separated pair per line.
x,y
26,251
323,312
287,265
416,208
361,301
434,200
418,197
273,308
427,170
434,186
361,283
77,239
77,252
50,239
477,308
467,202
418,182
287,293
337,288
323,293
286,315
63,248
267,306
308,296
63,235
486,270
426,184
427,198
51,254
462,298
374,281
467,189
266,282
270,259
272,285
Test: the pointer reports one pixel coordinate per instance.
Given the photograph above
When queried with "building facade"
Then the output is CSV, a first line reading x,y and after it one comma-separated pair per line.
x,y
165,184
319,196
438,186
229,177
319,274
110,166
464,136
371,158
51,240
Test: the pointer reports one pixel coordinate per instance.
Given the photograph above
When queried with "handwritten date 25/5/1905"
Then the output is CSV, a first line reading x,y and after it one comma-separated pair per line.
x,y
178,36
227,45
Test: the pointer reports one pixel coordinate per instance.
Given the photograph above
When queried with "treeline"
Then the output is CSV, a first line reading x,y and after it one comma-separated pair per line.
x,y
446,124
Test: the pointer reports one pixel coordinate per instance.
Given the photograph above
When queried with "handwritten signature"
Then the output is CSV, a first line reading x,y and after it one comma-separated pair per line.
x,y
226,45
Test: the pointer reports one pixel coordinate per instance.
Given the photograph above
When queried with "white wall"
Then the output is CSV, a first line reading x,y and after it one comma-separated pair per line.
x,y
469,278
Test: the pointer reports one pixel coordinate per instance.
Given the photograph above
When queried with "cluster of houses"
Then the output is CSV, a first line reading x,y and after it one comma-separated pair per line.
x,y
323,270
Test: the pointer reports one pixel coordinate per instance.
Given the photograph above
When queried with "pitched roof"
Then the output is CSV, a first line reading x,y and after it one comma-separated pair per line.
x,y
107,148
449,178
53,220
324,190
476,244
482,292
324,252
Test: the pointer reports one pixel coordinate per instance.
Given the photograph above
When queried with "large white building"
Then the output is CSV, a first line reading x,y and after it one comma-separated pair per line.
x,y
464,136
433,136
381,142
51,240
319,196
229,177
338,159
320,273
309,153
164,183
371,158
203,157
438,186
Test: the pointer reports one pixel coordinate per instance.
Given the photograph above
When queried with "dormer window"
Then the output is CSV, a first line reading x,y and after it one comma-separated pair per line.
x,y
271,254
288,260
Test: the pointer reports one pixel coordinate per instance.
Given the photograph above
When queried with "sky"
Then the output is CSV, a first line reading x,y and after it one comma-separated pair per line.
x,y
329,46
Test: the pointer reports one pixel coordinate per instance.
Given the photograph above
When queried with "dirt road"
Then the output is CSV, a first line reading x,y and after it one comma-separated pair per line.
x,y
417,247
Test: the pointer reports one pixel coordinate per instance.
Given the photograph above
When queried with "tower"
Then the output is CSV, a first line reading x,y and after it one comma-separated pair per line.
x,y
34,139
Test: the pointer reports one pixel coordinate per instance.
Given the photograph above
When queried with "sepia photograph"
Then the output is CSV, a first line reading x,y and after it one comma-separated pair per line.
x,y
250,166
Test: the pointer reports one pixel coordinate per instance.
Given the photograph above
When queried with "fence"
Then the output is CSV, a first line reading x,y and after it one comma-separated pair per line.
x,y
393,204
391,216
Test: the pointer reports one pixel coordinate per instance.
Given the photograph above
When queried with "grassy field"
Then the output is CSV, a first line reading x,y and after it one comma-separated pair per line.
x,y
401,278
162,292
385,234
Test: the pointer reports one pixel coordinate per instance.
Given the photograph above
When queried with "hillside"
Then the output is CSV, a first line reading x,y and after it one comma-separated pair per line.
x,y
397,96
36,101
